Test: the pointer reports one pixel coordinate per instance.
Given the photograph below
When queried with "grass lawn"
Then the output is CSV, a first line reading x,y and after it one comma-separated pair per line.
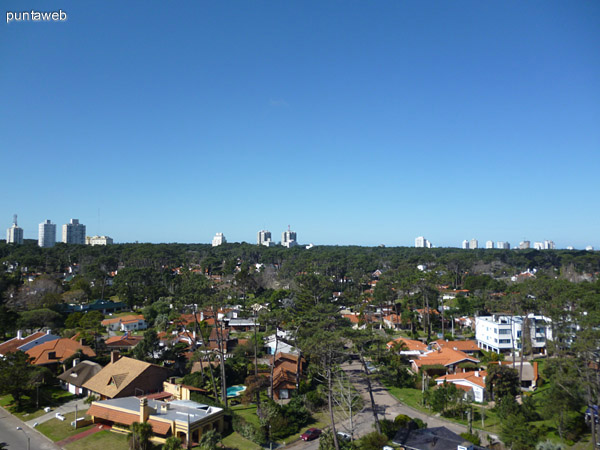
x,y
57,430
234,440
48,396
248,412
103,440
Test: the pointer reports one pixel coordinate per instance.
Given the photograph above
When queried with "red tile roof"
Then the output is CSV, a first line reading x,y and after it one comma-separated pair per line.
x,y
62,348
159,427
445,357
476,377
122,319
12,345
411,344
463,346
112,415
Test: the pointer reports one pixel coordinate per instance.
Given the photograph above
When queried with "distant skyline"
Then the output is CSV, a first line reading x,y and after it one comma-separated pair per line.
x,y
355,123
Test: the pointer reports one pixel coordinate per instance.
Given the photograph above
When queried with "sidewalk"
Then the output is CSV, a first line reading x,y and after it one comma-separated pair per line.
x,y
63,409
81,435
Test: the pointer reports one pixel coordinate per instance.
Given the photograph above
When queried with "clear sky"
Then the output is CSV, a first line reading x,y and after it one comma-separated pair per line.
x,y
355,122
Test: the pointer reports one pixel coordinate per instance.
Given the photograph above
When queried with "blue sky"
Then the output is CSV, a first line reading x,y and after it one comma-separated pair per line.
x,y
354,122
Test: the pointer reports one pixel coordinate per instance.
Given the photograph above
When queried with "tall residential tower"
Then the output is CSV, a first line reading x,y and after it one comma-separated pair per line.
x,y
47,234
73,232
14,234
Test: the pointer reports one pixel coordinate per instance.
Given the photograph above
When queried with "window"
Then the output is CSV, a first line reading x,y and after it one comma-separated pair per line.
x,y
519,333
504,341
504,332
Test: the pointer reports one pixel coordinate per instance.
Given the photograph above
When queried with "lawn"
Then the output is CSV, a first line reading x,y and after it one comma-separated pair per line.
x,y
48,396
248,413
234,440
57,430
102,440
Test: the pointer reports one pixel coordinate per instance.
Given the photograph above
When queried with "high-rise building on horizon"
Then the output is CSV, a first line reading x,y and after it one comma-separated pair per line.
x,y
503,245
47,234
465,244
549,245
264,238
219,239
473,244
14,234
421,242
73,232
524,245
489,244
288,238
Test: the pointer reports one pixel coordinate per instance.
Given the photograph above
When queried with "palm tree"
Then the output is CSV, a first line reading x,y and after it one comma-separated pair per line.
x,y
139,438
172,443
209,440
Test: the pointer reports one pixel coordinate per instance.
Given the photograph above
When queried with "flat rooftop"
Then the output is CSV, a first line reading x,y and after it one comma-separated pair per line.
x,y
177,410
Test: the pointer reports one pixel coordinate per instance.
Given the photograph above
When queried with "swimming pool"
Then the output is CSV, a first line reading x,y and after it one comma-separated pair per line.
x,y
234,391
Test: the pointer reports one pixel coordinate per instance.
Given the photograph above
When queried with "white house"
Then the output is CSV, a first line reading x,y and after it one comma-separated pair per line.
x,y
125,323
473,383
502,333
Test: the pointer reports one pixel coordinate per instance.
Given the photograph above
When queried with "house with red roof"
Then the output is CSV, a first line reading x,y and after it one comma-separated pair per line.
x,y
125,323
57,351
472,383
468,346
446,356
408,347
20,343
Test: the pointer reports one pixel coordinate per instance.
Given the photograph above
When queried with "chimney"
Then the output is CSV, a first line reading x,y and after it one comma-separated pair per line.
x,y
48,331
19,335
114,356
477,373
76,361
144,411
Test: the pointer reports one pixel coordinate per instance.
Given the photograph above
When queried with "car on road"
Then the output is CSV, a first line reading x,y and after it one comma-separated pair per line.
x,y
310,434
344,436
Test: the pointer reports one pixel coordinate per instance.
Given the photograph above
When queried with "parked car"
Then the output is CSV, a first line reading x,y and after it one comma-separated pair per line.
x,y
310,434
344,436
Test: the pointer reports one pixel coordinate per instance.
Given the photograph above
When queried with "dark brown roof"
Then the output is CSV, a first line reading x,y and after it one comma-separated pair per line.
x,y
80,373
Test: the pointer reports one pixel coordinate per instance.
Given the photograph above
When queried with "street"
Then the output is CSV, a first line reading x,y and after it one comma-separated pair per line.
x,y
387,407
17,439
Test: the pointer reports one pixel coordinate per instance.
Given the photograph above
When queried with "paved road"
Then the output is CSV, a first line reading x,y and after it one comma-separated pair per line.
x,y
16,439
387,407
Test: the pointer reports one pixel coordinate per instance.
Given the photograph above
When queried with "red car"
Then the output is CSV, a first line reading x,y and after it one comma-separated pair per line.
x,y
310,434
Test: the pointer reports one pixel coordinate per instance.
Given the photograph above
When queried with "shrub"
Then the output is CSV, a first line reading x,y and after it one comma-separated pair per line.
x,y
471,437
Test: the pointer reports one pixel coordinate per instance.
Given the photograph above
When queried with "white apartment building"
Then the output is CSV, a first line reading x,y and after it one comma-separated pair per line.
x,y
47,234
473,244
523,245
465,244
14,234
549,245
421,242
264,238
489,244
538,245
288,239
503,245
73,232
219,239
502,334
98,240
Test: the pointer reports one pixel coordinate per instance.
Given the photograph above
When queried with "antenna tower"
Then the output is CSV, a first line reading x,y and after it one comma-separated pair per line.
x,y
15,219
